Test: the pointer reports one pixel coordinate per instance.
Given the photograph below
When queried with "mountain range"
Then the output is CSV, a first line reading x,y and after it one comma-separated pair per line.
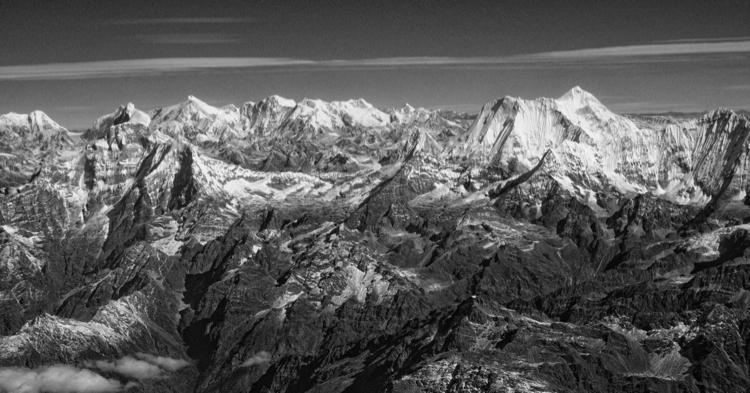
x,y
545,245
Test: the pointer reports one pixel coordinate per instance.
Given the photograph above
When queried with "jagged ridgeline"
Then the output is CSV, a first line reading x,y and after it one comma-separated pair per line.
x,y
542,245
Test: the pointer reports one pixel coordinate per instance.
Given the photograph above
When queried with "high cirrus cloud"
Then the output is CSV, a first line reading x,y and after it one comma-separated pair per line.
x,y
117,68
612,55
54,379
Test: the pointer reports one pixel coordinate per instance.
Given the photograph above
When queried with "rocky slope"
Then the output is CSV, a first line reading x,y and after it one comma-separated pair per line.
x,y
546,245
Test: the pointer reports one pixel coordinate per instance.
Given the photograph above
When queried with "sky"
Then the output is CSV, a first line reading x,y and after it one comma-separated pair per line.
x,y
78,60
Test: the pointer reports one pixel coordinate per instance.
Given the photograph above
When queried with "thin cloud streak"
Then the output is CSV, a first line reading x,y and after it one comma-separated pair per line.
x,y
187,38
120,68
162,21
615,56
695,40
650,50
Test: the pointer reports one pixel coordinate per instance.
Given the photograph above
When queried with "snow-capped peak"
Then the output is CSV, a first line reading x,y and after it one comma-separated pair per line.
x,y
358,103
360,112
592,147
204,121
129,114
35,123
193,109
202,106
124,114
409,114
279,100
584,110
575,92
579,97
537,125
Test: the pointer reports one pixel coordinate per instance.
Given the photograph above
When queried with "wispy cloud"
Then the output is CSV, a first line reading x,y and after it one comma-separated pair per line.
x,y
610,56
723,39
56,378
144,367
208,38
737,87
65,378
660,50
162,21
119,68
130,367
164,362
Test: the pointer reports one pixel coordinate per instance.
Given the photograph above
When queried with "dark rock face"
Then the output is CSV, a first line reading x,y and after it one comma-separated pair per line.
x,y
369,259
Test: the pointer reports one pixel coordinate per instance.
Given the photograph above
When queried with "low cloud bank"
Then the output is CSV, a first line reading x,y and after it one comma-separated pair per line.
x,y
54,379
146,366
164,362
130,367
60,378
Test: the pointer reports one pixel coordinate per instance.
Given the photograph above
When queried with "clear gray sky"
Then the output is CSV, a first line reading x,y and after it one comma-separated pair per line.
x,y
77,60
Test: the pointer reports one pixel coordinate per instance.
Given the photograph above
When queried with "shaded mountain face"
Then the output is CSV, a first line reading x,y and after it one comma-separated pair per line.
x,y
545,245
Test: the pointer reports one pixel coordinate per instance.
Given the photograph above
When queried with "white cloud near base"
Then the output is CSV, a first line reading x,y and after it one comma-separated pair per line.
x,y
258,358
61,378
144,366
164,362
54,379
130,367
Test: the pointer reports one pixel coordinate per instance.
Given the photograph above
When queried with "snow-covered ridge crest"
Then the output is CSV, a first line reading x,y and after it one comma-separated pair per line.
x,y
278,113
270,115
192,109
409,114
274,116
195,117
29,126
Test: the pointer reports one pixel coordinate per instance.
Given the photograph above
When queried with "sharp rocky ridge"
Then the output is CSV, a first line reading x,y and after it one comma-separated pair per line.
x,y
541,245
